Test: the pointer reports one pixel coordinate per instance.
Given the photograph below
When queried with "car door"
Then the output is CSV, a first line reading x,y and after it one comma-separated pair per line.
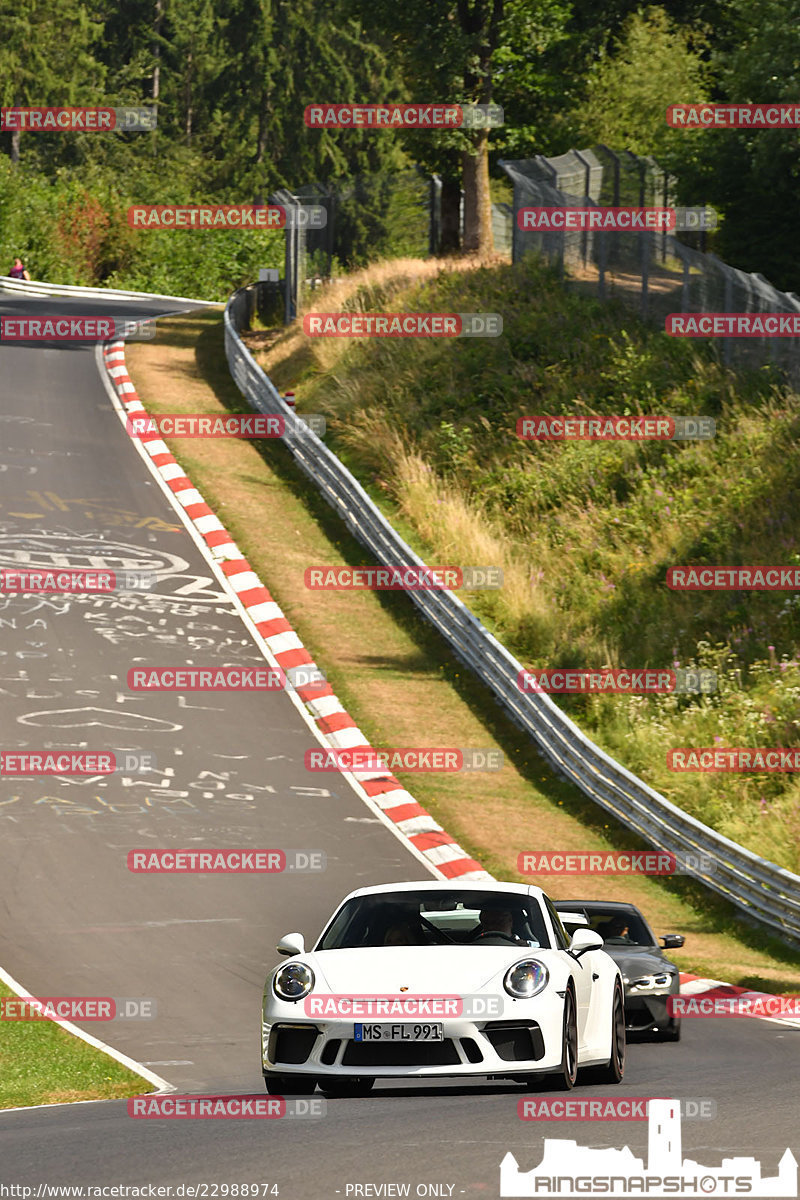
x,y
584,974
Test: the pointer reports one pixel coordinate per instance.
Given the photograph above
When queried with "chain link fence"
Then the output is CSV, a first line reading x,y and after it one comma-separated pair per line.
x,y
398,215
660,272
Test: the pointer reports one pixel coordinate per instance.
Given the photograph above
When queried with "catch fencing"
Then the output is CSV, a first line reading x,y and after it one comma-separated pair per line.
x,y
397,215
659,271
763,890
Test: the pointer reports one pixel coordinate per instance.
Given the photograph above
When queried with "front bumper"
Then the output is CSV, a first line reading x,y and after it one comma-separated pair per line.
x,y
501,1046
647,1012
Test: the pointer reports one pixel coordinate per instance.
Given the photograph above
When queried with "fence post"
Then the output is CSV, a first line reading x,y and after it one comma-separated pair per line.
x,y
586,239
727,346
685,286
665,205
435,218
601,264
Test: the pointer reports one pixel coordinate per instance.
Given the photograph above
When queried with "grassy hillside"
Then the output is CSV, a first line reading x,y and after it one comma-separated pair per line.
x,y
585,532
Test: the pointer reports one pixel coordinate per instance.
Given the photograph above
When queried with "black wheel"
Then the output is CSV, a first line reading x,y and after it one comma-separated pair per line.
x,y
289,1085
673,1031
564,1079
357,1085
614,1069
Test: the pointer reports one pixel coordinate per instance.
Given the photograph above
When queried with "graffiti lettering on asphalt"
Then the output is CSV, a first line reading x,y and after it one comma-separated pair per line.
x,y
102,510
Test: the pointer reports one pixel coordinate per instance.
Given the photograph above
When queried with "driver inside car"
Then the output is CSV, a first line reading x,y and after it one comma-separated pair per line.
x,y
402,934
496,927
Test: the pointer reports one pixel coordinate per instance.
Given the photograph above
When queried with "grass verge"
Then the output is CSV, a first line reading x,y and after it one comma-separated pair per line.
x,y
40,1063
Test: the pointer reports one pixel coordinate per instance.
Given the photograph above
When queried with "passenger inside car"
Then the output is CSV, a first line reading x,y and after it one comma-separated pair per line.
x,y
615,930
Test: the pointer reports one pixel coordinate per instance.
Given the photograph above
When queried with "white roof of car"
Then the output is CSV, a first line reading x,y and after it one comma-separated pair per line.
x,y
436,885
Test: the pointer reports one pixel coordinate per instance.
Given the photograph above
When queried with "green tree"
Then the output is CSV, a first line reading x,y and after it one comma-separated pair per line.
x,y
47,58
652,64
467,52
281,57
754,175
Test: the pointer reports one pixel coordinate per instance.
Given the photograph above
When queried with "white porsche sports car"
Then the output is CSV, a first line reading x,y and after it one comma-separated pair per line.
x,y
429,980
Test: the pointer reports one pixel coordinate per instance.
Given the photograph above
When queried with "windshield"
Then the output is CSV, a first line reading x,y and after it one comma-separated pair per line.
x,y
425,918
617,927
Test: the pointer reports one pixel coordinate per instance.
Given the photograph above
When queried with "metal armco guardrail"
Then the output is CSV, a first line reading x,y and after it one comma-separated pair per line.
x,y
39,287
763,890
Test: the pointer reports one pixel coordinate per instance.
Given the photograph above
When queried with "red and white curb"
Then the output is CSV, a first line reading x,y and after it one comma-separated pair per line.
x,y
696,985
338,730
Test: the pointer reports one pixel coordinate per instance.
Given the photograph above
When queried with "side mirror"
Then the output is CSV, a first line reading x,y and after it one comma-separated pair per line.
x,y
585,939
672,941
291,943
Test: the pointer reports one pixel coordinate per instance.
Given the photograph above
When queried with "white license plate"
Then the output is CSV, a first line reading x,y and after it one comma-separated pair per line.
x,y
419,1031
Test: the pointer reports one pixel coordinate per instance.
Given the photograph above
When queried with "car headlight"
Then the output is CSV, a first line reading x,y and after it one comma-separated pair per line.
x,y
526,979
294,981
650,983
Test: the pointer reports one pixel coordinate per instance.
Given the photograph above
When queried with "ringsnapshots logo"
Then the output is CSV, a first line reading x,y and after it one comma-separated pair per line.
x,y
625,681
568,1169
369,760
733,579
732,325
75,329
32,580
626,1108
734,116
225,1108
403,116
78,120
77,1008
549,218
613,862
542,428
406,578
402,325
304,677
229,861
232,425
227,216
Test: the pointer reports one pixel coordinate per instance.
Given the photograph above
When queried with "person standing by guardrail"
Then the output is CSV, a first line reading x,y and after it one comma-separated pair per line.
x,y
18,270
